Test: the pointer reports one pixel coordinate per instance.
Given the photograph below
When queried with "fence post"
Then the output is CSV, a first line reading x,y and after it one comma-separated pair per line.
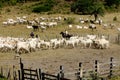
x,y
37,74
43,76
61,72
15,75
22,70
8,76
40,73
19,77
2,71
14,72
58,76
80,72
118,38
30,74
111,67
96,69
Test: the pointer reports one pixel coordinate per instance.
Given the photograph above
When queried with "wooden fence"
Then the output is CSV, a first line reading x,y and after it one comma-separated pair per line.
x,y
101,71
8,72
30,74
27,74
118,39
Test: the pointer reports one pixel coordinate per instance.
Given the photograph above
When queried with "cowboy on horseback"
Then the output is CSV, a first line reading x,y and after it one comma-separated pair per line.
x,y
32,35
66,35
66,32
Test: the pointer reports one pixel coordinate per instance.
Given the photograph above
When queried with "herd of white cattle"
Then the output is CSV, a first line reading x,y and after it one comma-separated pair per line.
x,y
42,22
21,45
45,22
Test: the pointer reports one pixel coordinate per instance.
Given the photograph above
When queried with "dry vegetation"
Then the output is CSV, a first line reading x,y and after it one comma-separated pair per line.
x,y
22,31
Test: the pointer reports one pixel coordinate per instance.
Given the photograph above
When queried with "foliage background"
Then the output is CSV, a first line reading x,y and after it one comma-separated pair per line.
x,y
64,6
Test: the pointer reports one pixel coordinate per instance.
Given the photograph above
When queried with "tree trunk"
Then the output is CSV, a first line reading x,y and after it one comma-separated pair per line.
x,y
96,16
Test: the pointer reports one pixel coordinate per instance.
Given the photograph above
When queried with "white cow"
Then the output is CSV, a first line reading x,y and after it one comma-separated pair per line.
x,y
46,43
101,43
23,45
59,43
33,43
86,43
70,42
79,27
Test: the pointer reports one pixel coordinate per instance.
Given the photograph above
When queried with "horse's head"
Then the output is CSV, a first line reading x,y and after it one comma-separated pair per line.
x,y
61,32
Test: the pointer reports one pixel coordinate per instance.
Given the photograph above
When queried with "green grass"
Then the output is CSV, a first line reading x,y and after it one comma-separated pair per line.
x,y
116,78
3,79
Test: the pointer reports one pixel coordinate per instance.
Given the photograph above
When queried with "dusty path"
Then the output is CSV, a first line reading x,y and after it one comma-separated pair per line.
x,y
50,60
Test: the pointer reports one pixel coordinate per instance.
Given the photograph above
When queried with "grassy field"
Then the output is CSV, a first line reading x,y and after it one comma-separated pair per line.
x,y
22,31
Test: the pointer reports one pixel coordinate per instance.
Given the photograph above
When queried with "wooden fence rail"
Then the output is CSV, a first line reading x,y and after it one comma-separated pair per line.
x,y
28,74
46,76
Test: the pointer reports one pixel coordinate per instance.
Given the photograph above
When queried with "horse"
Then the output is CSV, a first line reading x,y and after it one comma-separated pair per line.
x,y
66,36
35,27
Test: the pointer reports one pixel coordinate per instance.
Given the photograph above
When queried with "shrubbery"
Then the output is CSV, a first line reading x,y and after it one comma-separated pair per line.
x,y
115,18
64,6
41,8
13,2
44,7
70,20
2,77
115,78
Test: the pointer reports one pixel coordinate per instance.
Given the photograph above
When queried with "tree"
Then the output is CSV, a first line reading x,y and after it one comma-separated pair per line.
x,y
97,9
81,6
91,7
113,3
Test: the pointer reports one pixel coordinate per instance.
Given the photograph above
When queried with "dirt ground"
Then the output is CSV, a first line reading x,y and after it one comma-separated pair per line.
x,y
50,60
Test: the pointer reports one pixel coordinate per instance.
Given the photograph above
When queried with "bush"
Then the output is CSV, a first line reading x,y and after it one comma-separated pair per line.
x,y
70,20
2,77
44,6
13,2
41,8
115,18
8,10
